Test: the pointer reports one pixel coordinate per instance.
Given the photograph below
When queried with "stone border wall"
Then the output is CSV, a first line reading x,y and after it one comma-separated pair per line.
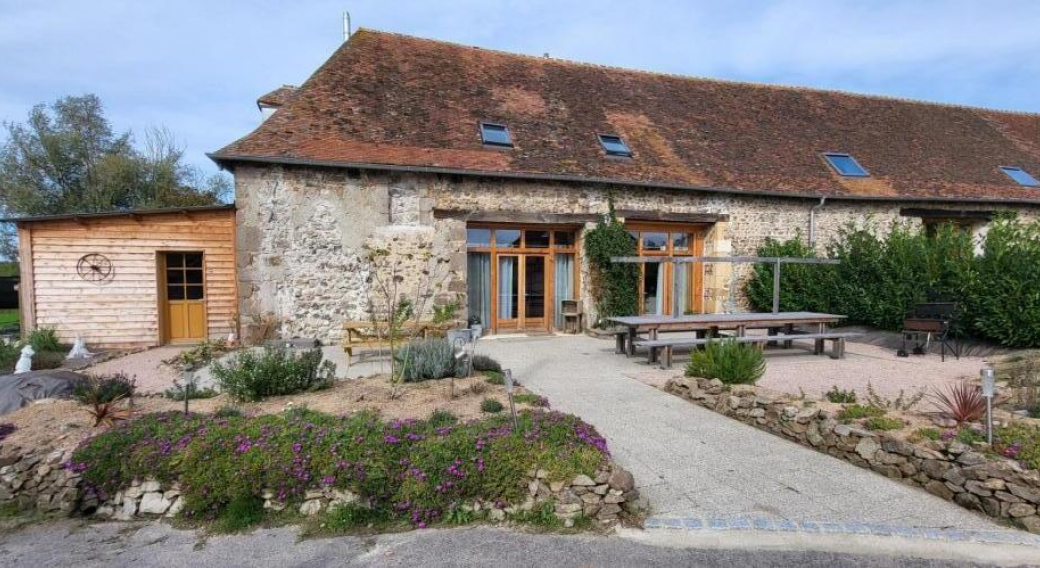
x,y
43,482
951,470
39,481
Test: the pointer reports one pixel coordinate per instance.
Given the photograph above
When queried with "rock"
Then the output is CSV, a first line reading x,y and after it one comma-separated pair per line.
x,y
311,507
541,474
1031,524
602,477
813,436
1007,497
935,469
615,499
532,488
128,510
608,511
1029,494
555,486
867,448
134,492
104,512
590,498
991,506
568,508
978,489
579,490
939,489
268,504
591,509
955,476
898,447
621,480
569,497
994,484
154,504
175,508
968,501
601,489
971,458
150,486
582,480
344,497
1018,510
497,515
313,494
956,448
757,412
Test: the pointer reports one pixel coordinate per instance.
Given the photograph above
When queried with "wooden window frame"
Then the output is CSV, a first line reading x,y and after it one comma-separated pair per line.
x,y
696,234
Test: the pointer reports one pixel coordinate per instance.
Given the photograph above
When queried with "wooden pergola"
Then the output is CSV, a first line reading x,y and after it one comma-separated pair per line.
x,y
777,261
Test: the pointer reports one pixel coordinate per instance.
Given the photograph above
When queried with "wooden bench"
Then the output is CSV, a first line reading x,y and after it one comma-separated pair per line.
x,y
369,335
665,346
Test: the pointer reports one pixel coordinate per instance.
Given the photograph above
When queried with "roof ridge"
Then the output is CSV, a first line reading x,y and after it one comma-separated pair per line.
x,y
701,78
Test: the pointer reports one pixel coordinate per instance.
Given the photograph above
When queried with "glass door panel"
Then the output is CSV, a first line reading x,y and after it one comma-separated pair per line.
x,y
508,290
534,290
653,287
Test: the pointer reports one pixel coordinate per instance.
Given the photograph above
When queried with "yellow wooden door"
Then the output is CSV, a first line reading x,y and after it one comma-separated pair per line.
x,y
185,297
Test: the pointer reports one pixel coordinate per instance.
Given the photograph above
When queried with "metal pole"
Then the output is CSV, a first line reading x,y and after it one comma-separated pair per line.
x,y
508,373
989,420
776,287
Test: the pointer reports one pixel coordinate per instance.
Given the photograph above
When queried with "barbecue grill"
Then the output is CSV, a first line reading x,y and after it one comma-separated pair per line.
x,y
930,321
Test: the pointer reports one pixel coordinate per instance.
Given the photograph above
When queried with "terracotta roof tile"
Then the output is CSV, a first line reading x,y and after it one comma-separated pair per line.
x,y
389,99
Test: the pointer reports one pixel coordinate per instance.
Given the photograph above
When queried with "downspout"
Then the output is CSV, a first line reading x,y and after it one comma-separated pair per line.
x,y
812,221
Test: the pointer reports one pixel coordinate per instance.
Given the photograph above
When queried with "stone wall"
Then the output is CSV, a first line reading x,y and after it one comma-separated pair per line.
x,y
39,481
951,470
303,232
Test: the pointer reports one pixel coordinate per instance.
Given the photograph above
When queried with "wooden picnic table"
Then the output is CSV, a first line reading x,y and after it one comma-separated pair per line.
x,y
711,324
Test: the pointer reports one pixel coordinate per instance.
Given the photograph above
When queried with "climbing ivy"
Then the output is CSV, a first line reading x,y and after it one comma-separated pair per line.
x,y
615,286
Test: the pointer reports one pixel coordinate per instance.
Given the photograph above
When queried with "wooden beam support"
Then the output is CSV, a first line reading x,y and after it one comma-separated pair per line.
x,y
666,217
722,259
26,283
517,217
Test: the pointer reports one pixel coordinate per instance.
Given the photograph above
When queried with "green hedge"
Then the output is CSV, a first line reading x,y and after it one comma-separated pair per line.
x,y
880,278
409,470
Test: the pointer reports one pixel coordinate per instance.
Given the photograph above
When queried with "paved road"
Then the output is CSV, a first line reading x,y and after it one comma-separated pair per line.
x,y
692,462
113,545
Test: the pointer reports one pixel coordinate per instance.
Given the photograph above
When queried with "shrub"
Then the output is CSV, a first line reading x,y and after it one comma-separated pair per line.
x,y
345,518
9,353
840,395
858,411
439,418
532,399
478,388
490,405
962,402
484,363
48,360
199,356
253,375
426,359
406,470
103,388
191,392
495,377
880,278
615,286
44,339
884,423
228,411
242,512
727,361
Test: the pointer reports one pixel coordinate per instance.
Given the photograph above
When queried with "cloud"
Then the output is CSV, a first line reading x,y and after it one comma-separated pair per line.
x,y
197,66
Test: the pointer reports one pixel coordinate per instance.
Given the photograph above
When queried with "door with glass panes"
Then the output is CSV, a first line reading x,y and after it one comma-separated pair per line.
x,y
669,288
183,296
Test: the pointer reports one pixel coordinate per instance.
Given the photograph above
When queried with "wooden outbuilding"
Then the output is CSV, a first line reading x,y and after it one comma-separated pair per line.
x,y
130,279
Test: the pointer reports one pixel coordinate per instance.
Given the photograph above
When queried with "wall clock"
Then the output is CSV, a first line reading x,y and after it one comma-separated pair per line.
x,y
94,268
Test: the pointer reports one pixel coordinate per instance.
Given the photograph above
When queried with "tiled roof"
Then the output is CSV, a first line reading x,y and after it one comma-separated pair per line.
x,y
391,100
278,97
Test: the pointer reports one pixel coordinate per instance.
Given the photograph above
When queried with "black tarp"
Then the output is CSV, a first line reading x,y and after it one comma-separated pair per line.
x,y
19,390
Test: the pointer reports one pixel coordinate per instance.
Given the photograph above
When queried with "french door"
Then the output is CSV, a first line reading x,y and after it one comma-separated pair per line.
x,y
522,284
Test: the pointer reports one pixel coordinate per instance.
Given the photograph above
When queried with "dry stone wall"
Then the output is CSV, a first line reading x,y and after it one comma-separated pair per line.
x,y
40,481
303,232
951,470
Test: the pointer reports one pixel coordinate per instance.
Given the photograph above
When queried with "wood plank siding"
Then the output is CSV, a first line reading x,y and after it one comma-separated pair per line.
x,y
124,310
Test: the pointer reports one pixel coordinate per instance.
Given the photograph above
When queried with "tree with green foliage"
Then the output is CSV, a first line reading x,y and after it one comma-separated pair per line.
x,y
66,159
615,286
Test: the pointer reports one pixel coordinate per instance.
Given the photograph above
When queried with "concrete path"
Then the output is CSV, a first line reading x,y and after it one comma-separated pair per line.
x,y
694,463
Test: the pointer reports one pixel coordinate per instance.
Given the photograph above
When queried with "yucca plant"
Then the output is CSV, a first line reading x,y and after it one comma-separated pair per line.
x,y
727,361
961,401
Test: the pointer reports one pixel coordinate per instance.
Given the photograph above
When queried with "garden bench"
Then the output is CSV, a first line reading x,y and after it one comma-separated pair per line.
x,y
661,349
367,335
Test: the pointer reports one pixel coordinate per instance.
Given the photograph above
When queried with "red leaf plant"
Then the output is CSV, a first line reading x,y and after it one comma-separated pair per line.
x,y
962,401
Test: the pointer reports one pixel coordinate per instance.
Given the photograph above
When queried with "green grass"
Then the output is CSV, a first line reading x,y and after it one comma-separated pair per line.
x,y
857,411
884,423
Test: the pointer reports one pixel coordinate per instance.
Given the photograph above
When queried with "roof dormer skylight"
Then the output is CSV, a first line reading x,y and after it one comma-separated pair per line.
x,y
845,165
1021,176
614,145
495,134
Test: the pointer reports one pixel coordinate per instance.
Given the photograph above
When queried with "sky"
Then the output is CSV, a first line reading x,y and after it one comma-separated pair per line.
x,y
197,66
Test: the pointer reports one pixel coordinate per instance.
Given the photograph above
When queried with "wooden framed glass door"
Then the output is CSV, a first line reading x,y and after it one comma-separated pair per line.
x,y
517,275
183,304
669,288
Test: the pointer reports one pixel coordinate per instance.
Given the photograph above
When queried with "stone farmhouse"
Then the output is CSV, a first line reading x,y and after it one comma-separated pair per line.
x,y
497,163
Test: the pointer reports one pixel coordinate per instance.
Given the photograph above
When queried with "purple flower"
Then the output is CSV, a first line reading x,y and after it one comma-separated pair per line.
x,y
391,439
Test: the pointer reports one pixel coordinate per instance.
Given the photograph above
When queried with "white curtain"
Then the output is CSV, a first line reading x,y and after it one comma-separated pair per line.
x,y
659,300
506,288
681,290
564,284
478,286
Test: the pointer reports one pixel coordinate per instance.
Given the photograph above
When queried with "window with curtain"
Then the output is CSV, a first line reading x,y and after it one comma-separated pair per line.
x,y
478,286
563,285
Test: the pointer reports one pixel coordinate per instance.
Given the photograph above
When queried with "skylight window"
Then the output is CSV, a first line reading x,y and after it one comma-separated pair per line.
x,y
845,165
1021,176
495,134
614,145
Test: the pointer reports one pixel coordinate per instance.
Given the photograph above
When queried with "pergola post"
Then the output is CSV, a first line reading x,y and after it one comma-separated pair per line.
x,y
776,287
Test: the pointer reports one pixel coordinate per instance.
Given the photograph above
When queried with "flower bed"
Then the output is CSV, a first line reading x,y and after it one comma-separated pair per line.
x,y
969,474
421,472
